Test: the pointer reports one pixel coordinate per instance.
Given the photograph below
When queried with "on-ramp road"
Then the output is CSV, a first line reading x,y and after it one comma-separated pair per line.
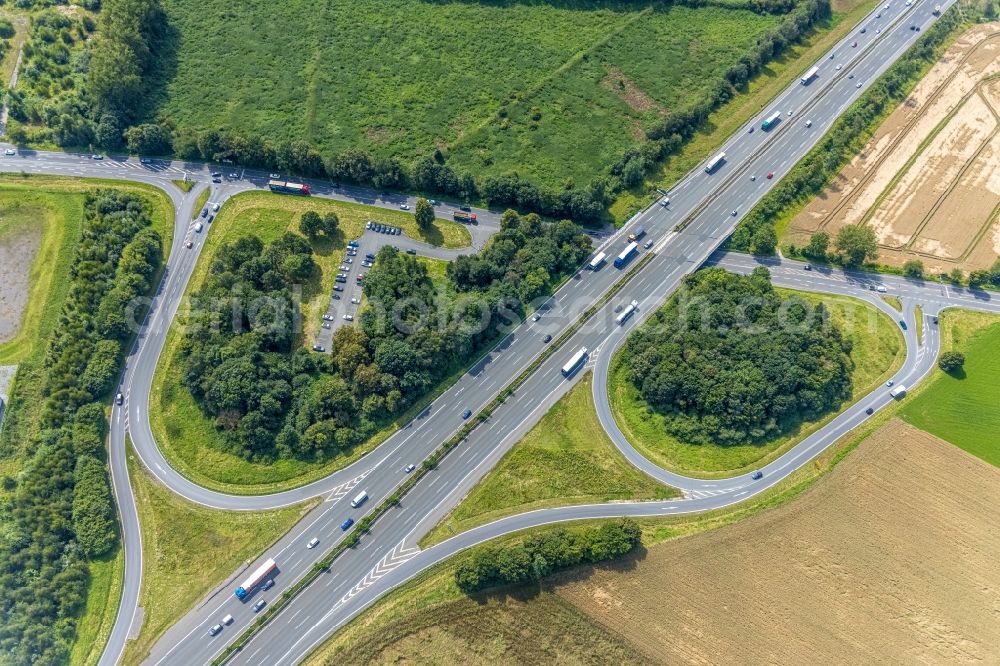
x,y
357,576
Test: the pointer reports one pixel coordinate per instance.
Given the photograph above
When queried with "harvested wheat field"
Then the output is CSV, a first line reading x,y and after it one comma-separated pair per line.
x,y
927,181
890,559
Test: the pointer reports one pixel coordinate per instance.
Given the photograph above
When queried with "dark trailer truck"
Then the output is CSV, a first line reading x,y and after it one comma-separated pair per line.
x,y
288,188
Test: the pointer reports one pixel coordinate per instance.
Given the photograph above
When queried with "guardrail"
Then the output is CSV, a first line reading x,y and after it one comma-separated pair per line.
x,y
430,463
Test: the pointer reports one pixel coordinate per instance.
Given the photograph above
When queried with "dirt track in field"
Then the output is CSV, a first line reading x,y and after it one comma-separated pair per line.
x,y
928,180
890,559
17,252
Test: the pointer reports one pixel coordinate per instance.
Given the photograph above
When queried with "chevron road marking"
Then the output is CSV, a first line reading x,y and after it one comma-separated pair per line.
x,y
340,491
395,557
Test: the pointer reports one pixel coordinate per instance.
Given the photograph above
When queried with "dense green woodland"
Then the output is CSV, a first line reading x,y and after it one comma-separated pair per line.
x,y
62,511
729,361
242,361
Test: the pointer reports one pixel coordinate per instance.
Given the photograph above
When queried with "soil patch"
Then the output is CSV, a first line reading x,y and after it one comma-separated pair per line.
x,y
630,93
890,559
17,252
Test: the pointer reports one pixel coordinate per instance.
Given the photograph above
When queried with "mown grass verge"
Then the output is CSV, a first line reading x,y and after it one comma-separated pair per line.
x,y
189,549
878,351
963,407
566,458
103,595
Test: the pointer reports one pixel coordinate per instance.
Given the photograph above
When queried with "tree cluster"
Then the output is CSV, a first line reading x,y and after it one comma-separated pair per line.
x,y
542,554
847,136
271,400
951,361
730,361
63,510
312,224
522,260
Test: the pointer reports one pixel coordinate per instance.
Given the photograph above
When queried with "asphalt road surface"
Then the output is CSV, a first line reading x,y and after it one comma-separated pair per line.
x,y
708,202
388,555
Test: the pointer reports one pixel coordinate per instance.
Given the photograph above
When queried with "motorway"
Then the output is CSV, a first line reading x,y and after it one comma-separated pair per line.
x,y
389,554
363,573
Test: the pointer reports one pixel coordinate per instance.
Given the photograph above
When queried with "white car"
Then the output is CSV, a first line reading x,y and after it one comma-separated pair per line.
x,y
345,268
840,67
198,227
348,317
10,151
227,620
859,85
881,289
404,206
327,317
878,31
215,208
312,544
356,300
275,176
809,123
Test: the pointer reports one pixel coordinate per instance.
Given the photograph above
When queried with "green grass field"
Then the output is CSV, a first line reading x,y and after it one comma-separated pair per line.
x,y
877,352
552,90
964,408
187,437
565,459
189,549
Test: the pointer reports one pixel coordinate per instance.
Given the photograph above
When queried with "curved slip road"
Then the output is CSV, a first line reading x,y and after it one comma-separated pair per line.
x,y
705,201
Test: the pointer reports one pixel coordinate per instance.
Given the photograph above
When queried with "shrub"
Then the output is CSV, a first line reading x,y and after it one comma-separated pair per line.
x,y
951,361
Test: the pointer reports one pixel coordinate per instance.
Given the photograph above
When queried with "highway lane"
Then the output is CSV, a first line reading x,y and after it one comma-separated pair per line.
x,y
712,224
84,167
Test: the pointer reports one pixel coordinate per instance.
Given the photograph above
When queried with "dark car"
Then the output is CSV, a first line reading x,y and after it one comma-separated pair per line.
x,y
547,338
410,250
119,398
318,348
269,584
204,212
347,524
216,174
757,475
467,413
214,631
902,324
935,320
808,267
337,287
869,411
216,180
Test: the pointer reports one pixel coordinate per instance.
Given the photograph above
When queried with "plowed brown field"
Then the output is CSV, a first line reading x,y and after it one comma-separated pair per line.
x,y
891,559
928,181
